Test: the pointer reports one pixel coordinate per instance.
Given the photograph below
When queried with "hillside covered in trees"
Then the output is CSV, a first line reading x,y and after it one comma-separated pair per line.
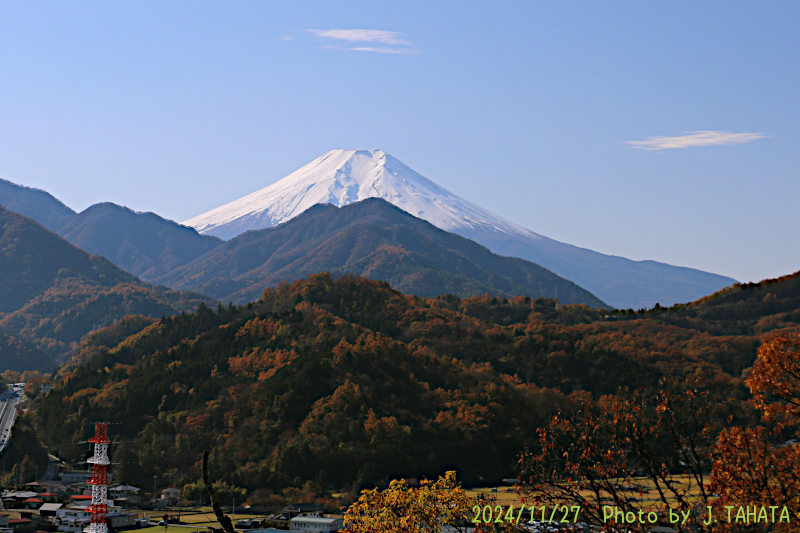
x,y
742,309
55,293
348,381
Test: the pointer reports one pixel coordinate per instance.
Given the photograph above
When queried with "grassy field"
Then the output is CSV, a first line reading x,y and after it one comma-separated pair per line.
x,y
507,496
195,520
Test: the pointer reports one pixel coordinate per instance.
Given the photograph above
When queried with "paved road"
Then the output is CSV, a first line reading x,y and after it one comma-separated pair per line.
x,y
8,412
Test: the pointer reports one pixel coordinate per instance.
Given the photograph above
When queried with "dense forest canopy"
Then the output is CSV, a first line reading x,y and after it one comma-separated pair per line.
x,y
348,381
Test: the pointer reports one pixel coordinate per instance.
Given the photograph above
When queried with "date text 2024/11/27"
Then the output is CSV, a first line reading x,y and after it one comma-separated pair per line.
x,y
486,514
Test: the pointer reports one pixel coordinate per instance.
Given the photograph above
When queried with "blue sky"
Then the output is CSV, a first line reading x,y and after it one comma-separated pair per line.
x,y
530,109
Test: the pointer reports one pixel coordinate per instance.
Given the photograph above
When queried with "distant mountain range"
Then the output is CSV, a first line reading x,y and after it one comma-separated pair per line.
x,y
341,177
54,293
379,241
37,204
370,238
143,244
159,250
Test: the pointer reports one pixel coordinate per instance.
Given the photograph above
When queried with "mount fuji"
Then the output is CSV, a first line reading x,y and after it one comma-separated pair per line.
x,y
342,177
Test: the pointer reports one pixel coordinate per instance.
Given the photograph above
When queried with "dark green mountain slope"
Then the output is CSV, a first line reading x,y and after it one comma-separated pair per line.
x,y
32,259
37,204
143,244
54,293
21,356
371,238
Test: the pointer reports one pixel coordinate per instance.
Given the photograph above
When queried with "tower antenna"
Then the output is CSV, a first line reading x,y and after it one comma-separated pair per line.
x,y
99,479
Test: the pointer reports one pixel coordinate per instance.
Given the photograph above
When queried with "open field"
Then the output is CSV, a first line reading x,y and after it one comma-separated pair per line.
x,y
642,489
195,520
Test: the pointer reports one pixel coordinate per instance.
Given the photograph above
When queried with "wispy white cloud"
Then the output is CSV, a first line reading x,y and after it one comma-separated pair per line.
x,y
287,38
695,138
385,50
391,38
371,36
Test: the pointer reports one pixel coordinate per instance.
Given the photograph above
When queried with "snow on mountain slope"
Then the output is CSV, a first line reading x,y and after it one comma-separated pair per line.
x,y
342,177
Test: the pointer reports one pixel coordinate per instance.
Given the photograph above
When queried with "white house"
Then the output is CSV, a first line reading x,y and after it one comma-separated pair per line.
x,y
316,524
72,517
50,509
171,495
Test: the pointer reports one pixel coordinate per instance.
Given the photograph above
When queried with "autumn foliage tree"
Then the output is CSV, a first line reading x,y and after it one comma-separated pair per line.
x,y
761,465
404,509
775,379
590,452
401,508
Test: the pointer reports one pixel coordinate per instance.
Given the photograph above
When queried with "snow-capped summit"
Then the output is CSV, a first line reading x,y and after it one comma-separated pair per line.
x,y
342,177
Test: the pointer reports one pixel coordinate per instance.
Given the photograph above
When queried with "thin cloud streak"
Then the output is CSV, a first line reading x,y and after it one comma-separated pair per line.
x,y
695,138
386,50
376,36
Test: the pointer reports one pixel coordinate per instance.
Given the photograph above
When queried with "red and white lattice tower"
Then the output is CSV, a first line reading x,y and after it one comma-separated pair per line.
x,y
99,479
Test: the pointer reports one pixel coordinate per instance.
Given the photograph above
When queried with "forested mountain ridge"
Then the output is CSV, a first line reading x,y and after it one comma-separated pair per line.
x,y
143,244
386,244
55,293
33,259
371,238
37,204
353,379
741,309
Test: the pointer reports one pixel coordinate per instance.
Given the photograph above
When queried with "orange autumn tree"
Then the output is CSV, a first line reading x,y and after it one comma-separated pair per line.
x,y
761,465
590,453
775,379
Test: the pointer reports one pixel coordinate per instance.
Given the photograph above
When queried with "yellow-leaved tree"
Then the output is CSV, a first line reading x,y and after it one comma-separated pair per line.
x,y
404,509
